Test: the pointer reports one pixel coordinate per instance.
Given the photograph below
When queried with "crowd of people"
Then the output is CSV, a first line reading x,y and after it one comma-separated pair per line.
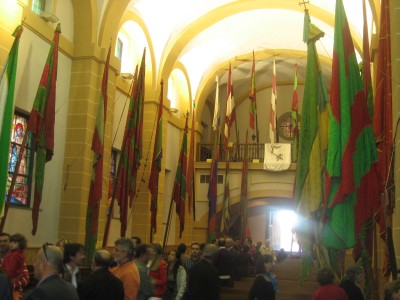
x,y
133,270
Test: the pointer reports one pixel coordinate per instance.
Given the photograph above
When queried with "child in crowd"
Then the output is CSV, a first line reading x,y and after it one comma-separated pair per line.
x,y
14,264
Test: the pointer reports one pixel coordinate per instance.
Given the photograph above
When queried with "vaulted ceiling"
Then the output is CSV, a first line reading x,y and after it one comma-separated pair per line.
x,y
203,37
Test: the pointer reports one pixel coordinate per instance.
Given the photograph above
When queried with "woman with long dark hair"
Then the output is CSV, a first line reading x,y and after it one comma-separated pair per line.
x,y
176,277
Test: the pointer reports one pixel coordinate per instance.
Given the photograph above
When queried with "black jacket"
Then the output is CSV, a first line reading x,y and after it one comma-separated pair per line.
x,y
101,285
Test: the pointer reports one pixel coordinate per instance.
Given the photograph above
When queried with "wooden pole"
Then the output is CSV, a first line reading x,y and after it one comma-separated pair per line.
x,y
168,224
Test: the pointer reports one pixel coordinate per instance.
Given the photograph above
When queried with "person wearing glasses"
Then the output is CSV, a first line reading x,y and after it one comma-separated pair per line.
x,y
126,270
50,285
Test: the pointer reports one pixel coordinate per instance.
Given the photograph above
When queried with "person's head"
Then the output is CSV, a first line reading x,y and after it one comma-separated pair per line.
x,y
392,290
181,248
143,252
355,274
264,263
136,241
196,252
228,242
48,261
221,242
157,250
123,251
173,256
209,251
267,242
74,254
101,259
4,242
325,276
18,242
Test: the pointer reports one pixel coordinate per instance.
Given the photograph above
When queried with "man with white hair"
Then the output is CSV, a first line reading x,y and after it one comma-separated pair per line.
x,y
267,249
50,285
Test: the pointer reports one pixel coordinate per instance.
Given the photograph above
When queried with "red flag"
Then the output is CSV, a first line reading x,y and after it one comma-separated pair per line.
x,y
156,162
295,115
230,109
131,147
190,171
96,184
179,190
41,122
252,97
383,129
243,195
272,116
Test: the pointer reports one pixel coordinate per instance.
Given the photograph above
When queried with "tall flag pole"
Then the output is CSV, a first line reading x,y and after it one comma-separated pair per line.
x,y
96,184
216,117
383,130
226,204
295,116
243,195
272,116
41,123
179,190
352,154
124,175
313,142
230,110
229,117
125,184
138,125
156,163
190,170
253,101
7,85
366,74
213,182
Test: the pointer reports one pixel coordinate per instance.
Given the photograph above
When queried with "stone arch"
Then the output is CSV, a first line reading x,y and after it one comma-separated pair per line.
x,y
174,47
84,22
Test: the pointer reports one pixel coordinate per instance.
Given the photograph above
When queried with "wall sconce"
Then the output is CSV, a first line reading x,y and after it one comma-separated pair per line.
x,y
49,17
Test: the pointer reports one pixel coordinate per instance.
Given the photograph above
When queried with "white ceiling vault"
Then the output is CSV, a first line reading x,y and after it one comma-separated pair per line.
x,y
204,36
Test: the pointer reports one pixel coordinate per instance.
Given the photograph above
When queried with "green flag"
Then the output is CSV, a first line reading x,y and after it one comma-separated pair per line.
x,y
41,122
179,190
96,184
156,163
351,148
313,131
7,84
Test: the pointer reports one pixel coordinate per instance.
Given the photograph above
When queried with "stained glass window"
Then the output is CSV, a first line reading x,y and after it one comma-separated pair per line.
x,y
38,6
21,191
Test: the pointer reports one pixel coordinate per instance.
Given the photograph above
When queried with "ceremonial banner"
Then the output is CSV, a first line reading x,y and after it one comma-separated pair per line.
x,y
7,84
277,157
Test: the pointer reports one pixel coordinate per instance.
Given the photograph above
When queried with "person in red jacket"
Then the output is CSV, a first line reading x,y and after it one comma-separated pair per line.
x,y
13,264
158,271
328,290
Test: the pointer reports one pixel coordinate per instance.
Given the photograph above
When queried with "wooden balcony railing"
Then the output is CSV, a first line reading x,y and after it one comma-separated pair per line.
x,y
236,152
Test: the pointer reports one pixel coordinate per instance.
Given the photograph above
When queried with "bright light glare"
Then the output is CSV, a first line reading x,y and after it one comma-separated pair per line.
x,y
287,220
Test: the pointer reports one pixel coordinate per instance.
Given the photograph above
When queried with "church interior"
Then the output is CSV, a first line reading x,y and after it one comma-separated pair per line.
x,y
192,53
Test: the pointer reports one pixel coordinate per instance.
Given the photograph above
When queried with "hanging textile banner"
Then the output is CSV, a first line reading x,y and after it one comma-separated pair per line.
x,y
277,157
